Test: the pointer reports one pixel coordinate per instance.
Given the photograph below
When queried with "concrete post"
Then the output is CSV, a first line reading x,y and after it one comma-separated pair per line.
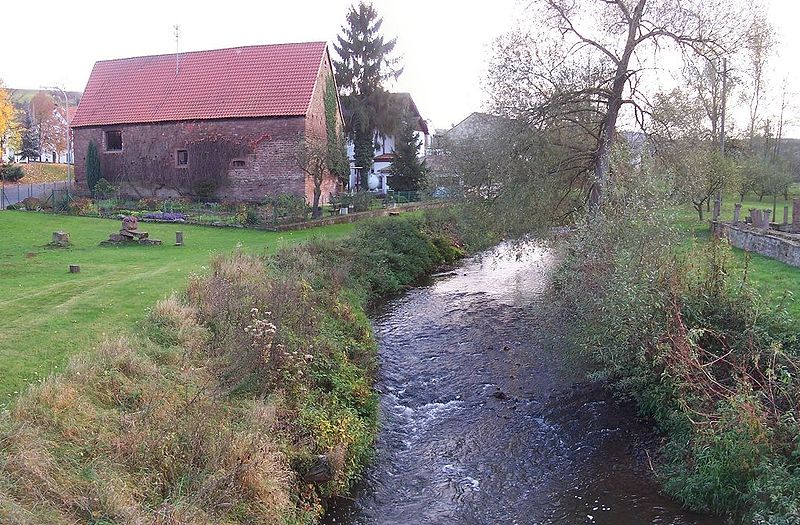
x,y
737,212
755,220
178,238
766,222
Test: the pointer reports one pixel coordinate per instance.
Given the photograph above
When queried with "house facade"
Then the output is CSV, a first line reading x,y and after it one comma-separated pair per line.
x,y
380,175
221,124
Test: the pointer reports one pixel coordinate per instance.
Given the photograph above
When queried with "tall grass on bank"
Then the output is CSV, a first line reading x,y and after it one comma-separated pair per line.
x,y
248,401
715,365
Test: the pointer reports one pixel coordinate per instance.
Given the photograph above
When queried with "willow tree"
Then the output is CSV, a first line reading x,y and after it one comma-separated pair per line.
x,y
365,64
585,63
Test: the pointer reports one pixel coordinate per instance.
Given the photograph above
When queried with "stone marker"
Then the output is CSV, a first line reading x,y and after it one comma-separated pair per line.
x,y
60,239
74,268
766,222
785,215
130,233
737,211
717,206
795,215
755,216
178,238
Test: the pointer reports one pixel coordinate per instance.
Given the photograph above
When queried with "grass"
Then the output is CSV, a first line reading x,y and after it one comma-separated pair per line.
x,y
48,314
778,282
38,172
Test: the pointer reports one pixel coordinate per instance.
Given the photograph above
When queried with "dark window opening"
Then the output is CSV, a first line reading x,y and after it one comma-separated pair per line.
x,y
113,141
238,164
182,157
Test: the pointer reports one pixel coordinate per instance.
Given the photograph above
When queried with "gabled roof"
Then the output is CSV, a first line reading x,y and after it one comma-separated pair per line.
x,y
256,81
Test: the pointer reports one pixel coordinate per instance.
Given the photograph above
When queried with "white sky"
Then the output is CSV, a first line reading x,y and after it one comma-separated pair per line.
x,y
443,43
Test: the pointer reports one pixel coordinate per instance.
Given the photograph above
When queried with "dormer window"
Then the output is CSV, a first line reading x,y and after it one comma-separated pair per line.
x,y
238,163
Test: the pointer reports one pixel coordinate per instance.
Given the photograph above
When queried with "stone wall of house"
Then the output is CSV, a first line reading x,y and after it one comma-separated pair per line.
x,y
147,164
784,247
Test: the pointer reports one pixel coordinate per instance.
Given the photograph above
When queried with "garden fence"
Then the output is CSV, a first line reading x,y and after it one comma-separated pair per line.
x,y
13,193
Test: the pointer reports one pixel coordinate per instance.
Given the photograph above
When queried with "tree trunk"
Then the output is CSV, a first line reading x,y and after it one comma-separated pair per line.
x,y
699,208
316,211
602,166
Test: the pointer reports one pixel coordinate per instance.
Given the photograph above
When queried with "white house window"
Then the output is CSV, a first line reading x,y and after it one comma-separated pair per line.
x,y
114,140
182,157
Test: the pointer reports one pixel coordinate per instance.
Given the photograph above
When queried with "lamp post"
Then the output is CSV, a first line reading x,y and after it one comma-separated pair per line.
x,y
66,119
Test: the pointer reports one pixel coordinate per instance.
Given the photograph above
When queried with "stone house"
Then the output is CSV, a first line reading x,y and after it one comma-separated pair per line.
x,y
222,124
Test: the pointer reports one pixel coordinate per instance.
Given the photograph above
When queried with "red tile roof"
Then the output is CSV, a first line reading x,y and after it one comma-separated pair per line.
x,y
257,81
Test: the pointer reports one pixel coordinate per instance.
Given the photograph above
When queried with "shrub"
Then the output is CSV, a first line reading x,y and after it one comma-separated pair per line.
x,y
93,171
103,189
286,208
362,201
11,172
32,203
149,203
205,189
81,206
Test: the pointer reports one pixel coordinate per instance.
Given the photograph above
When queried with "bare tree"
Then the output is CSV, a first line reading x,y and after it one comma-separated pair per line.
x,y
589,61
759,46
313,158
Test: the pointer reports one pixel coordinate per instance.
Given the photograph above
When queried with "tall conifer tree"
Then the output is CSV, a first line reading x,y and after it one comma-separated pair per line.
x,y
365,63
408,171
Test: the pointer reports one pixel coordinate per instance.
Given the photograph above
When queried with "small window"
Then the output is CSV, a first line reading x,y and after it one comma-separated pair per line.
x,y
114,140
238,163
182,157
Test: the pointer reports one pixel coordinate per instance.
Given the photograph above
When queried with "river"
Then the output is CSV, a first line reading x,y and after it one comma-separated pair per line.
x,y
485,423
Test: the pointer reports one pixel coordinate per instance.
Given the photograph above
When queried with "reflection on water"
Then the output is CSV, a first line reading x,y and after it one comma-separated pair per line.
x,y
483,423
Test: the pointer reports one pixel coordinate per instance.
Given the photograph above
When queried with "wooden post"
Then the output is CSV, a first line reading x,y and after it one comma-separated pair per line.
x,y
737,212
178,238
74,268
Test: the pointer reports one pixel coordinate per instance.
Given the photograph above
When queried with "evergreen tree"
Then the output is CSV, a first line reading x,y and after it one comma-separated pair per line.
x,y
31,148
407,170
365,63
93,172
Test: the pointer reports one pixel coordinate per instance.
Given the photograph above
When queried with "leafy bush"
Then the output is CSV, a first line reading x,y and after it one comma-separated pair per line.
x,y
11,172
362,201
286,208
104,189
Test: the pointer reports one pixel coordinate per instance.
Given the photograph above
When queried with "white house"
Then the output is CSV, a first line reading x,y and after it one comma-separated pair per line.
x,y
379,176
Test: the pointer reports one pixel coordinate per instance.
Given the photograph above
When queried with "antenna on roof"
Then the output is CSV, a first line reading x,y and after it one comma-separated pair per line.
x,y
177,54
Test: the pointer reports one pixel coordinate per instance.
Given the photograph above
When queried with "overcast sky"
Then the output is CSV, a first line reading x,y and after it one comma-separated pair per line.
x,y
443,43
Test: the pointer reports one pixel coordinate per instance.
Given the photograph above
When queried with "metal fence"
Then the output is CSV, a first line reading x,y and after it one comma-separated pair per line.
x,y
11,193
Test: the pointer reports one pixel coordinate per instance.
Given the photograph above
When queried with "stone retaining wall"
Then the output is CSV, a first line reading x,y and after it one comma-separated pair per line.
x,y
784,247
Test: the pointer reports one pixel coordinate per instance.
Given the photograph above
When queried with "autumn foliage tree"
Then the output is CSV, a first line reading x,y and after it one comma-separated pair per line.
x,y
7,116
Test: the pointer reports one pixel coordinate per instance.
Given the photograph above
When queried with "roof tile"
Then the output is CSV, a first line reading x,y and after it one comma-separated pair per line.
x,y
257,81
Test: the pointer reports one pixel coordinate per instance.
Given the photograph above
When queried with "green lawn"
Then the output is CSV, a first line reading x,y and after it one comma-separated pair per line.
x,y
48,314
779,283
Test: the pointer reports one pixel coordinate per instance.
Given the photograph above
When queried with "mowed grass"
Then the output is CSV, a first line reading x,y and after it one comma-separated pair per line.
x,y
777,282
48,314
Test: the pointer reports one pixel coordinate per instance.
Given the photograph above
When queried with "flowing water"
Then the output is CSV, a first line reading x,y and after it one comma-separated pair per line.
x,y
484,423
